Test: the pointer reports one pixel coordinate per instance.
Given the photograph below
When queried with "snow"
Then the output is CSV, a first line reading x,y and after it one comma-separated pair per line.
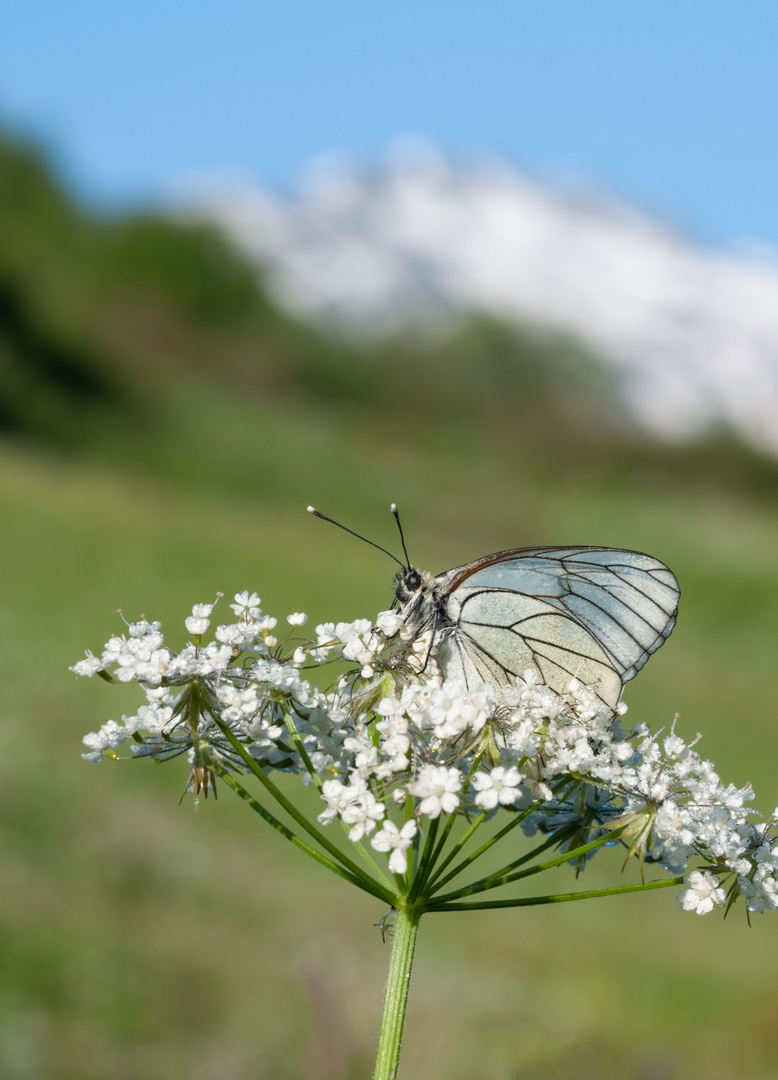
x,y
694,330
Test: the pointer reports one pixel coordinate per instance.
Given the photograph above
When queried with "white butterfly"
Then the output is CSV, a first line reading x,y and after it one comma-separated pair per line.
x,y
591,613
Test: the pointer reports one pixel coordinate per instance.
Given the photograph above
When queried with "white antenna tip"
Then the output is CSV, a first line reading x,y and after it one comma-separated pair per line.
x,y
311,509
393,508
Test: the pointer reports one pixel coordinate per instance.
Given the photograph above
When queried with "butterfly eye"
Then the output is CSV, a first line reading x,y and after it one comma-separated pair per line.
x,y
413,581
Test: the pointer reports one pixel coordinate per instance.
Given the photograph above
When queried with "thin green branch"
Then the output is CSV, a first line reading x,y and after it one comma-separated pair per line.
x,y
549,842
432,877
520,816
424,865
481,850
436,877
496,881
302,821
293,838
558,898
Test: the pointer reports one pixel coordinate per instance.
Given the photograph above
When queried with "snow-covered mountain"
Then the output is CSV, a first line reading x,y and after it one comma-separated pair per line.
x,y
693,330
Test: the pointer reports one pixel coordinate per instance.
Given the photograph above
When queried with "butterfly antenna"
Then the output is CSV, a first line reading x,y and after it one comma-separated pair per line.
x,y
332,521
396,513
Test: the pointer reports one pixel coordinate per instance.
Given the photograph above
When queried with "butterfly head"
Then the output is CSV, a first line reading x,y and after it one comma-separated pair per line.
x,y
413,591
407,584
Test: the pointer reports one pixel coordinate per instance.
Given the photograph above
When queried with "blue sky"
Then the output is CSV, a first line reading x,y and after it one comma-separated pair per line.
x,y
672,103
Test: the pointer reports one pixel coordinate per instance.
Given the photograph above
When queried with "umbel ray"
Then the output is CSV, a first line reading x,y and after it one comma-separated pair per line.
x,y
591,613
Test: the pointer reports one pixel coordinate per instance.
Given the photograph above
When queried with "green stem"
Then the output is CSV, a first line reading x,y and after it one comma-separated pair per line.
x,y
279,826
406,927
559,898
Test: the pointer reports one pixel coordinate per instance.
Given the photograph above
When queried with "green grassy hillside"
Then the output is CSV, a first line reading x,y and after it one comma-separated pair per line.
x,y
141,940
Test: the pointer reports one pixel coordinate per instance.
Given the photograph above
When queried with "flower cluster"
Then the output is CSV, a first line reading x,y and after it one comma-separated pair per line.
x,y
397,749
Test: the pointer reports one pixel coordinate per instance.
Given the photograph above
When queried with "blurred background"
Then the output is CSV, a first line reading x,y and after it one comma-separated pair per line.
x,y
511,266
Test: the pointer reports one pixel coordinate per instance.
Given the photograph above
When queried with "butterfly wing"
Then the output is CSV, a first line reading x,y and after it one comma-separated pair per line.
x,y
592,613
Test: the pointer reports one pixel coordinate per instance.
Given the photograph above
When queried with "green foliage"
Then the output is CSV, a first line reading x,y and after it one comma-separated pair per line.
x,y
35,212
51,386
107,325
189,268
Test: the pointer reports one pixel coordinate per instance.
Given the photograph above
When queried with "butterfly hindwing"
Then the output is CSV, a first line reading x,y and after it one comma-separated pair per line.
x,y
543,639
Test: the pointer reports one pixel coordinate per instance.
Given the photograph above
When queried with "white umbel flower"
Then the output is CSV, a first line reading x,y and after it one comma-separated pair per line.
x,y
499,787
246,605
199,621
438,789
704,892
390,838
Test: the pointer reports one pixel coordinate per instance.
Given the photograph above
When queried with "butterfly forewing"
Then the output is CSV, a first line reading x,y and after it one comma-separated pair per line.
x,y
595,614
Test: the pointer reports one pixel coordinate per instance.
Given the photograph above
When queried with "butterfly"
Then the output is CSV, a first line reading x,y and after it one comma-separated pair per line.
x,y
595,614
591,613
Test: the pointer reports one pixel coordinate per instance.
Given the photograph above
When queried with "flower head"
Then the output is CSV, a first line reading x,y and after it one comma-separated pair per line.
x,y
394,745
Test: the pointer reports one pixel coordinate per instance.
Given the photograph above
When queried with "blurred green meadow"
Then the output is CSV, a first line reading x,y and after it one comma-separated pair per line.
x,y
162,428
